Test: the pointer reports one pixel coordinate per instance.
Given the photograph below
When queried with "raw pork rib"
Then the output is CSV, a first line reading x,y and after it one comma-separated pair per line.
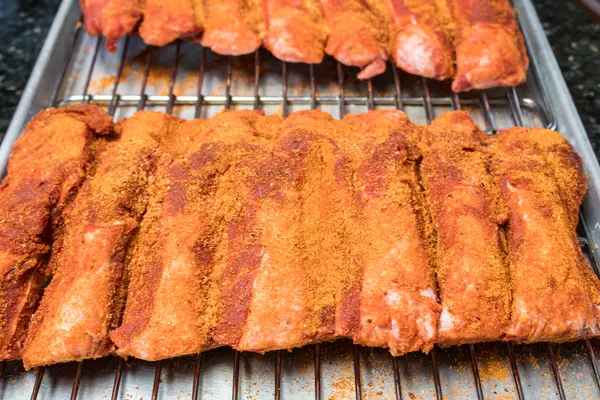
x,y
393,304
358,34
111,18
464,205
185,245
46,167
296,30
542,183
490,50
421,37
165,21
85,298
233,27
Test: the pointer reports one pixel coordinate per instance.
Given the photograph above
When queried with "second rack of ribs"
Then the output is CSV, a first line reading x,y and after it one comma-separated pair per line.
x,y
263,233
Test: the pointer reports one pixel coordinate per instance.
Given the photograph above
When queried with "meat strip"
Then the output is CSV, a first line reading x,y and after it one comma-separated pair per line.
x,y
490,50
179,278
165,21
542,183
233,27
111,18
296,30
85,298
305,207
464,204
358,34
421,37
47,165
395,303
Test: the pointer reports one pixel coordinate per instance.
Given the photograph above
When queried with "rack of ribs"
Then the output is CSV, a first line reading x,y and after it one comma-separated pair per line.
x,y
262,233
47,165
425,37
490,50
296,30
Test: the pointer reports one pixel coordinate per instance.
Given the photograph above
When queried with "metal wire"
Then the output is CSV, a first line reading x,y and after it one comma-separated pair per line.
x,y
236,375
515,370
593,362
200,98
88,78
556,371
39,375
197,369
156,385
370,102
475,370
114,102
436,375
397,382
313,90
277,393
398,98
256,78
77,380
356,362
342,95
487,112
63,72
117,383
228,83
284,90
317,362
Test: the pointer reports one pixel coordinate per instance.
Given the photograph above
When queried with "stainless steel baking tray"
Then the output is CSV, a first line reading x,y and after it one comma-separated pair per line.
x,y
188,81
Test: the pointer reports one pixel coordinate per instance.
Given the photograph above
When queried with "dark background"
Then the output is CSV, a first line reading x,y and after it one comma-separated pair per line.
x,y
573,34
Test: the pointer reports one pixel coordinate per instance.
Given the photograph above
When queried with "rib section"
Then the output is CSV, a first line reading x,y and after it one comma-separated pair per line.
x,y
47,165
358,34
421,37
111,18
296,30
165,21
467,214
490,50
542,183
233,27
192,254
85,298
394,304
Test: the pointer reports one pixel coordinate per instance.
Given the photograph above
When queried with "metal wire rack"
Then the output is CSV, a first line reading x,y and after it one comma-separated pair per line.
x,y
419,96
